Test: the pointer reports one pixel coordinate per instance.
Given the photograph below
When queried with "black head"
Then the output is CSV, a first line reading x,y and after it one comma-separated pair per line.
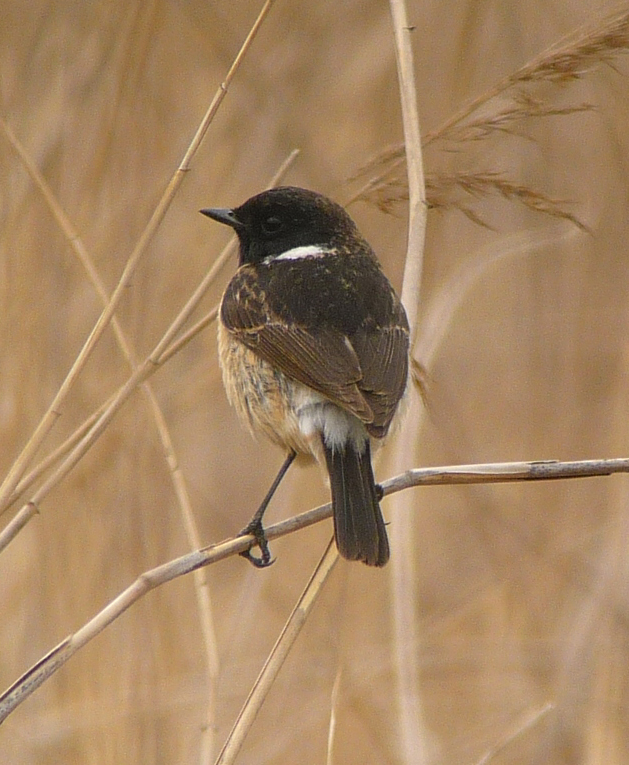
x,y
280,219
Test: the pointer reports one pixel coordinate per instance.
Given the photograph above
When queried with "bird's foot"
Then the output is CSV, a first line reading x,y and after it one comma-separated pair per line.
x,y
256,530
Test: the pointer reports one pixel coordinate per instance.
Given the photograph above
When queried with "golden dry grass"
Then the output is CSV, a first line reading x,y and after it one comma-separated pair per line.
x,y
519,592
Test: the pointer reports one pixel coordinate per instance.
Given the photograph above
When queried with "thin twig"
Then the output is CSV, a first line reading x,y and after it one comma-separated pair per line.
x,y
52,459
276,658
438,476
334,705
522,726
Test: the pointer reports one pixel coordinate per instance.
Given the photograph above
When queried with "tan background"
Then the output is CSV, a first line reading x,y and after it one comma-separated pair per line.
x,y
521,590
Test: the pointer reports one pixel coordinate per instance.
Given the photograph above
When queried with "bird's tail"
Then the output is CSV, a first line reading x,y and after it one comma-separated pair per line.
x,y
359,529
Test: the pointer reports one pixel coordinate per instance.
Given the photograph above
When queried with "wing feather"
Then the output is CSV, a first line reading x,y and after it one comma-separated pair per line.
x,y
365,374
383,356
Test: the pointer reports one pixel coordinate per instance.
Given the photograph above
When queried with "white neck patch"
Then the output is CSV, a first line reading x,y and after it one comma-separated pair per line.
x,y
305,251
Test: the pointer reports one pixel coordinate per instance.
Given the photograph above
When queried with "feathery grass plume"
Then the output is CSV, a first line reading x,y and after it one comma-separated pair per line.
x,y
447,191
520,106
442,190
568,60
579,52
510,102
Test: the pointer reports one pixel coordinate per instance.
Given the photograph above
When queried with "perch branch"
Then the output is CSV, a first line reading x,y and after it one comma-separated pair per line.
x,y
437,476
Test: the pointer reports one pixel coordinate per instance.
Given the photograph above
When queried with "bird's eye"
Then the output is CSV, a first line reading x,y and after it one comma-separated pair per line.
x,y
272,225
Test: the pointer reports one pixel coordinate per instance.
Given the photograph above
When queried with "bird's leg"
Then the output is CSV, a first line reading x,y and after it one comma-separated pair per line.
x,y
255,527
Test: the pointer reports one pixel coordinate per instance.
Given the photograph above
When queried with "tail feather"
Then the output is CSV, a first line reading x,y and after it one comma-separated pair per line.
x,y
359,528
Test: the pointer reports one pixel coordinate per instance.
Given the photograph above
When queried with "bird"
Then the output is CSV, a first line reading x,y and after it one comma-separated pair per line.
x,y
313,346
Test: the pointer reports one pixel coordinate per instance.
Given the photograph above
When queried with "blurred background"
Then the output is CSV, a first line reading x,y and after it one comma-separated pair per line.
x,y
519,599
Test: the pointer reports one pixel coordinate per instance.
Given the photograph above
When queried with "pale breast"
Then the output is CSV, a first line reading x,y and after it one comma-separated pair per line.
x,y
262,396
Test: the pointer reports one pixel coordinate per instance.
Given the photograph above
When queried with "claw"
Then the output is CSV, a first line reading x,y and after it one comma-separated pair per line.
x,y
256,529
263,562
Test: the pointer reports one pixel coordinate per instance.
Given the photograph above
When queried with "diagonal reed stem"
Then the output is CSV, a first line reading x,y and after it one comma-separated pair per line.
x,y
544,470
54,410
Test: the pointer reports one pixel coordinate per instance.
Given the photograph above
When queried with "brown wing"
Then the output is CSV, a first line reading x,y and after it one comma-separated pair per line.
x,y
321,359
383,357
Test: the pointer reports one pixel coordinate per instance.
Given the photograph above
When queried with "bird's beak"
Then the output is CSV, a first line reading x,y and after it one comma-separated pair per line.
x,y
223,215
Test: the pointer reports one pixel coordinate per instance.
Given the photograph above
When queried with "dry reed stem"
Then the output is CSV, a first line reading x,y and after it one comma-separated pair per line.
x,y
414,733
411,282
439,193
178,480
276,658
53,412
114,402
51,459
201,585
194,330
334,703
412,729
529,720
172,350
141,373
161,353
87,434
506,472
